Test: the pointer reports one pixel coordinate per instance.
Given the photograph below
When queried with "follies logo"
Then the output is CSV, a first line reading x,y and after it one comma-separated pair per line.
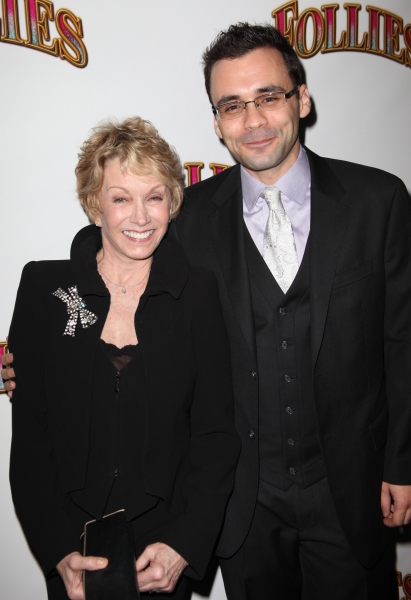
x,y
405,583
39,14
194,170
333,29
315,30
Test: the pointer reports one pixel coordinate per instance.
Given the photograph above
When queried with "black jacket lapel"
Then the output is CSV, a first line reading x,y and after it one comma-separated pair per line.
x,y
328,225
227,225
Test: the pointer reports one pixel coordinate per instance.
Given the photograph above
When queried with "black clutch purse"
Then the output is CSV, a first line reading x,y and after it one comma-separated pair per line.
x,y
111,538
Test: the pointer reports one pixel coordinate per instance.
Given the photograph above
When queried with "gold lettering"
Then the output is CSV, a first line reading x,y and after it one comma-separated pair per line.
x,y
38,14
282,23
407,40
218,168
71,31
374,29
352,29
193,172
11,23
301,33
393,28
330,19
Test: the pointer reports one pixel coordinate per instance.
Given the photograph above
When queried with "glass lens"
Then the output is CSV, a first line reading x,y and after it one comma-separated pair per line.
x,y
271,101
231,110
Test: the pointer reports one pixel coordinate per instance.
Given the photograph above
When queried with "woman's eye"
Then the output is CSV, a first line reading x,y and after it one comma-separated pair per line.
x,y
156,198
119,200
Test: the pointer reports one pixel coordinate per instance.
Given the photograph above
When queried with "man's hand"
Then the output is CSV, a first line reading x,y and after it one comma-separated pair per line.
x,y
396,504
71,569
159,568
8,373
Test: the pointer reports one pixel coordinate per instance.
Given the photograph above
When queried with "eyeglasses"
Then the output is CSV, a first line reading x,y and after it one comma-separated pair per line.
x,y
265,102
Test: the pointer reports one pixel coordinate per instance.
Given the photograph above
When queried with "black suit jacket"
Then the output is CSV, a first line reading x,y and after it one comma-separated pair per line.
x,y
190,446
360,306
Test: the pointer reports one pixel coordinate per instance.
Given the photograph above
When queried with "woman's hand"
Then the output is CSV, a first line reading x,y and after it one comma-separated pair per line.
x,y
71,569
159,568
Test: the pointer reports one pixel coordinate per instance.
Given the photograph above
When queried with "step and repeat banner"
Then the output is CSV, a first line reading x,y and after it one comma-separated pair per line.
x,y
67,64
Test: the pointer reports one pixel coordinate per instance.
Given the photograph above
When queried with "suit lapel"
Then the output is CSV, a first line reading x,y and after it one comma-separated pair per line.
x,y
227,227
328,226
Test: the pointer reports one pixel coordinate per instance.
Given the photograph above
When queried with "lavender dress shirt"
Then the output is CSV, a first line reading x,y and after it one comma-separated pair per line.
x,y
295,187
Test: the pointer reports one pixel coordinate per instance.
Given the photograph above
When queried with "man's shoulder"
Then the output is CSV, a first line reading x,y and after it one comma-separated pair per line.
x,y
352,174
202,199
209,187
360,170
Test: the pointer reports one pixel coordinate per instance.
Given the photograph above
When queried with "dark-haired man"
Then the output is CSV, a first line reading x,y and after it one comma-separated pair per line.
x,y
313,258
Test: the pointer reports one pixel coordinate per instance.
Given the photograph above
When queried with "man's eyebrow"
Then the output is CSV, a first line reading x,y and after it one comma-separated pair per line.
x,y
230,98
263,90
270,88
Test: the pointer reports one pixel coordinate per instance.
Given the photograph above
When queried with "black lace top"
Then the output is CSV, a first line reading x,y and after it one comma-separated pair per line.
x,y
120,357
117,434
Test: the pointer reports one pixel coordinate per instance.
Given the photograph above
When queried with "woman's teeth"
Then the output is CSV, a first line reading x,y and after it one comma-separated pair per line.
x,y
139,236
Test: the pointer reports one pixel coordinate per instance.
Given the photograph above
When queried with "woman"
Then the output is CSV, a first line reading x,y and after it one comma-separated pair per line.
x,y
132,406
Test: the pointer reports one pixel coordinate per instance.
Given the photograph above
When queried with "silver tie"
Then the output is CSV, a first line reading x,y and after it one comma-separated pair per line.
x,y
279,249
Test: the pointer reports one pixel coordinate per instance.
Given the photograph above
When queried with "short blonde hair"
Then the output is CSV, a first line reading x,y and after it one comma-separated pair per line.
x,y
139,147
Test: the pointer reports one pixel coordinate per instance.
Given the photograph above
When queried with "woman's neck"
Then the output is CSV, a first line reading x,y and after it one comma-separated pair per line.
x,y
122,271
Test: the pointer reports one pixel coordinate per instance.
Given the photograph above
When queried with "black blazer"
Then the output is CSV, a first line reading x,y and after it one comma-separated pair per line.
x,y
360,297
190,447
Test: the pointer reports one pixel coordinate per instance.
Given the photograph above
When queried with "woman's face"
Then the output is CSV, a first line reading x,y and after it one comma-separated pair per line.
x,y
135,212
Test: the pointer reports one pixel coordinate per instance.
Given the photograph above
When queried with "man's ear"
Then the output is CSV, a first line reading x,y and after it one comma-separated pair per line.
x,y
305,101
217,128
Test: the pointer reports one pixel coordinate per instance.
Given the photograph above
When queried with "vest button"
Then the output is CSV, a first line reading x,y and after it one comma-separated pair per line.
x,y
282,311
254,374
290,441
251,434
293,471
289,410
287,378
284,345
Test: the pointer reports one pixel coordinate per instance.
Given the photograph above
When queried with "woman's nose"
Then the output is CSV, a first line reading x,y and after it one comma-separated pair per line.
x,y
140,215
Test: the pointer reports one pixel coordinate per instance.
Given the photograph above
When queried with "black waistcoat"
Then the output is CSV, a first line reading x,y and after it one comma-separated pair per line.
x,y
288,436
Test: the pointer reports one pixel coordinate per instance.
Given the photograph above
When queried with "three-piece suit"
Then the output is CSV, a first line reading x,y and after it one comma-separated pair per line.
x,y
322,376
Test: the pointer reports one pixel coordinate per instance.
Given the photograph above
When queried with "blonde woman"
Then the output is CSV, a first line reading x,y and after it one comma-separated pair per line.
x,y
132,407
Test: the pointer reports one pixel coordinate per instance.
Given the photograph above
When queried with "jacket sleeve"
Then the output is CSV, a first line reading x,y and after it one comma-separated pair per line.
x,y
214,443
33,474
397,338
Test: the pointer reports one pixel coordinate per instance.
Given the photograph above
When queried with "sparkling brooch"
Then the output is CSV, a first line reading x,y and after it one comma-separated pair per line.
x,y
75,307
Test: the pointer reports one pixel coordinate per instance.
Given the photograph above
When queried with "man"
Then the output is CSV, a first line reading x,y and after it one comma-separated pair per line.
x,y
313,258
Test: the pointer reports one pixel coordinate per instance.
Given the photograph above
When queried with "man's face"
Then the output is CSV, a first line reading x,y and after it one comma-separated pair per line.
x,y
265,143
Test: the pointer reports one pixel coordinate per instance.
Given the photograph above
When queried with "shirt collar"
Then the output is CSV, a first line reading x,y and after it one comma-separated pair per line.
x,y
294,184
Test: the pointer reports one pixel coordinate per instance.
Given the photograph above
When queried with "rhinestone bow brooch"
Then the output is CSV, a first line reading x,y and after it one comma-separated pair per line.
x,y
75,307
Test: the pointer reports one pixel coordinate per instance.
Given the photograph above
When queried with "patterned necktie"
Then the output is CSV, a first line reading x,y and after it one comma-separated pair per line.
x,y
279,249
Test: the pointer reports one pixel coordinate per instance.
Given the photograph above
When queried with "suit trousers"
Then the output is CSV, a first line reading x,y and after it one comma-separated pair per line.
x,y
296,550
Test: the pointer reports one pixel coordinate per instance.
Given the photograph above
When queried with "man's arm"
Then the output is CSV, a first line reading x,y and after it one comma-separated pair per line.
x,y
7,373
396,485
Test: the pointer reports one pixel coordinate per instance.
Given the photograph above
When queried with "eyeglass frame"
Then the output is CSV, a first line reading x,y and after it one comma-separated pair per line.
x,y
287,95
